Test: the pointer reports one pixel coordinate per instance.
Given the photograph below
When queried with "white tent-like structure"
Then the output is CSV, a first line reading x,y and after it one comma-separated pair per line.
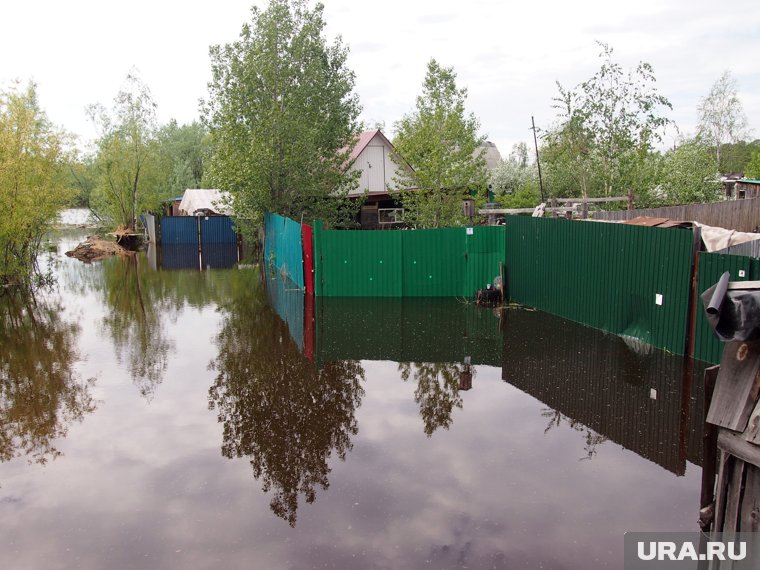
x,y
204,201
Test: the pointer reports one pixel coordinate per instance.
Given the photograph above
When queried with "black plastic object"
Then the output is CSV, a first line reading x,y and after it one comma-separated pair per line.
x,y
734,314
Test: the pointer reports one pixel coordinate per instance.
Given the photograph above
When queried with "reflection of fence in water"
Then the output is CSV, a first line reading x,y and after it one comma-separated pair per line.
x,y
184,256
407,330
287,300
645,401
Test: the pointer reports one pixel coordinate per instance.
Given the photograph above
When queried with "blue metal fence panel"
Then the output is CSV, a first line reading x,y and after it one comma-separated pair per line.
x,y
180,256
219,255
179,230
217,229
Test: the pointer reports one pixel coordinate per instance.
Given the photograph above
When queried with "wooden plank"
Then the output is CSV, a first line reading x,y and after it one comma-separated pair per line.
x,y
749,517
593,200
733,285
752,434
725,462
646,221
737,387
736,445
709,445
733,499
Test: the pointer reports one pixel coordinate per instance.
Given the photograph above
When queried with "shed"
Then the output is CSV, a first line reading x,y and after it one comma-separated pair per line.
x,y
205,202
747,188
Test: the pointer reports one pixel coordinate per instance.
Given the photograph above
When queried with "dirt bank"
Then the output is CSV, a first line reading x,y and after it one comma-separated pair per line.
x,y
95,248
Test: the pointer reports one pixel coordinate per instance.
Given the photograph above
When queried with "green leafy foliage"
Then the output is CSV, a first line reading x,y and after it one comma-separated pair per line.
x,y
753,167
282,116
183,151
690,174
734,157
608,127
514,181
33,187
126,163
441,143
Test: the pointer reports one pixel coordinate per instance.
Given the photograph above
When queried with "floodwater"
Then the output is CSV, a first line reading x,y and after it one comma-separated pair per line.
x,y
166,418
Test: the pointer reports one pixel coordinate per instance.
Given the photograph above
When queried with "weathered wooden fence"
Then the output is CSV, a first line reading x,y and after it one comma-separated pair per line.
x,y
739,215
735,414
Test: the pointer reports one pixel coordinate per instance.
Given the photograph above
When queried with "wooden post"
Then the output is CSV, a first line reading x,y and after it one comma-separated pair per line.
x,y
630,199
709,457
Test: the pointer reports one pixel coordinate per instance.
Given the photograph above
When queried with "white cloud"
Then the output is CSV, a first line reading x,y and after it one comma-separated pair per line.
x,y
508,55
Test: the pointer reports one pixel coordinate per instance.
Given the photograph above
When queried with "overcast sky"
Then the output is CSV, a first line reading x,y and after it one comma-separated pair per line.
x,y
508,54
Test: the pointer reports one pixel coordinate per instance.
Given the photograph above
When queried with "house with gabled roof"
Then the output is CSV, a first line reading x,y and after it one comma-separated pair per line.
x,y
374,158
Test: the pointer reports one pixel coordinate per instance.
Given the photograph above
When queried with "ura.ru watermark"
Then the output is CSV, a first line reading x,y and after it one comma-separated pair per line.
x,y
682,550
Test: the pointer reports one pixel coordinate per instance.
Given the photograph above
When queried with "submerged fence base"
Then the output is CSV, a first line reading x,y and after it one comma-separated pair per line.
x,y
629,280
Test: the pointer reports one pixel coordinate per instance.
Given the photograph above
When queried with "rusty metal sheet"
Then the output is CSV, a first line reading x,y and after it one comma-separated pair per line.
x,y
646,221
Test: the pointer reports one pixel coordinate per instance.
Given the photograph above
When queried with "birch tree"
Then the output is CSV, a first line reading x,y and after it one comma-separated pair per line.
x,y
721,115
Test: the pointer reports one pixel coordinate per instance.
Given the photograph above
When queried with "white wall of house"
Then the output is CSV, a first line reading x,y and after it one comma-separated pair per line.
x,y
378,169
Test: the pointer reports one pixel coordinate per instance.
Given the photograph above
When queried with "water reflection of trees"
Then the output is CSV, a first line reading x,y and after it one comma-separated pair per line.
x,y
135,323
593,439
278,409
437,392
40,393
139,303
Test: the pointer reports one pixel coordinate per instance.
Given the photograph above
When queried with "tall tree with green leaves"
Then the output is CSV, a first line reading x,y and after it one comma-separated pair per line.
x,y
609,124
514,181
126,154
721,115
441,143
33,187
753,166
283,115
690,174
183,151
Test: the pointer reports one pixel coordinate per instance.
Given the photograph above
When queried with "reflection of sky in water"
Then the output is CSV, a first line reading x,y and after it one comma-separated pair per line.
x,y
142,483
75,217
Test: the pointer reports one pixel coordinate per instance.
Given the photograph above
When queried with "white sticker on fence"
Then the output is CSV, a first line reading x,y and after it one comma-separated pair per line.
x,y
470,231
658,299
742,273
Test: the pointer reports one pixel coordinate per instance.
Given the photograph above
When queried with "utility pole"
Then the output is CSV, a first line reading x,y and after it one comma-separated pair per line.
x,y
538,162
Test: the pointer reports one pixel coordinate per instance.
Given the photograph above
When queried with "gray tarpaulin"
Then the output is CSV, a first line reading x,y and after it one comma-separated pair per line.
x,y
733,314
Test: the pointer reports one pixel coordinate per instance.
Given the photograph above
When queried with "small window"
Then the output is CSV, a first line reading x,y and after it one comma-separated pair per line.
x,y
390,215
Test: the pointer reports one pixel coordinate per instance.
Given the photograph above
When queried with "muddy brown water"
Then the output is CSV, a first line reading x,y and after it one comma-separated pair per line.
x,y
155,417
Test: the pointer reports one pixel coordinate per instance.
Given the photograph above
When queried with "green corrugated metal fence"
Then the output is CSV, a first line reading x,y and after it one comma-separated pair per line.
x,y
448,262
624,279
707,347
